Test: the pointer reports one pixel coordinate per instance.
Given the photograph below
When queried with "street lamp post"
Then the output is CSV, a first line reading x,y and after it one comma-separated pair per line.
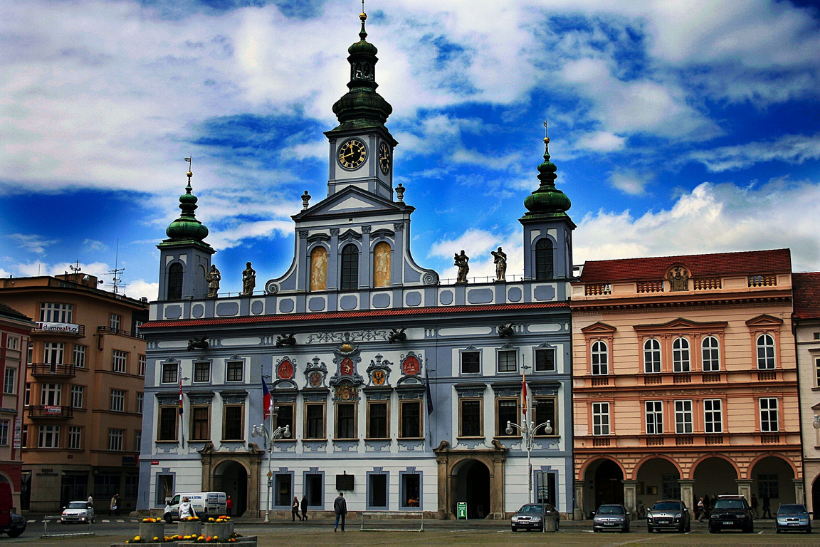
x,y
528,430
270,438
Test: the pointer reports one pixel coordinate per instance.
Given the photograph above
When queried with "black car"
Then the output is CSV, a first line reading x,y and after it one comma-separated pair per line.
x,y
731,512
532,515
670,514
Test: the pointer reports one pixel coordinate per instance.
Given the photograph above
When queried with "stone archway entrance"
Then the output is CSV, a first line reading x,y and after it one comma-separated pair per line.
x,y
773,476
232,478
474,476
237,471
714,476
609,487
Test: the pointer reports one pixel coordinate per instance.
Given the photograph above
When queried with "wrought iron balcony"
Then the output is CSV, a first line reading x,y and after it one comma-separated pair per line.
x,y
65,370
109,330
50,412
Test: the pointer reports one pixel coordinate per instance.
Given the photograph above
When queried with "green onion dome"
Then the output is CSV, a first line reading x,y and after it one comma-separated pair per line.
x,y
547,199
187,227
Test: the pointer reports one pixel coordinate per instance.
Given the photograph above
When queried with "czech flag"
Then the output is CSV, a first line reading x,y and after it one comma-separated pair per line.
x,y
267,401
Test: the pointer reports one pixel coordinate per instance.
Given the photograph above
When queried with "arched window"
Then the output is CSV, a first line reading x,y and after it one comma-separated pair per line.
x,y
318,269
382,258
543,259
175,274
651,356
765,352
350,268
711,354
680,355
600,358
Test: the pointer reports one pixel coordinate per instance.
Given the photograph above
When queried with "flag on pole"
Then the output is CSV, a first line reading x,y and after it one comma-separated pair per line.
x,y
429,395
179,373
524,395
267,401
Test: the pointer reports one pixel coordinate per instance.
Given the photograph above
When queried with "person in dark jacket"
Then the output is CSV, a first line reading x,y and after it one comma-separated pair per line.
x,y
767,509
304,507
294,509
340,507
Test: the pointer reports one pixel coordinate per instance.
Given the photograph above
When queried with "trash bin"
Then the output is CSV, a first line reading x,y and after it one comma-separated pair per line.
x,y
550,523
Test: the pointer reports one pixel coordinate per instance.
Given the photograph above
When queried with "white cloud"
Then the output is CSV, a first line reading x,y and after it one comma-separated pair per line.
x,y
91,245
631,181
477,245
711,218
600,141
142,289
788,148
32,243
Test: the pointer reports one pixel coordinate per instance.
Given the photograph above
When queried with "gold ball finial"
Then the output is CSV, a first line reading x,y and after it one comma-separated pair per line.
x,y
363,17
546,140
190,174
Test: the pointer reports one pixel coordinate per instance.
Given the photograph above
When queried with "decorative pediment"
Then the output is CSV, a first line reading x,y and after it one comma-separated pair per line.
x,y
383,232
598,328
764,321
682,324
378,372
349,234
350,199
346,359
315,373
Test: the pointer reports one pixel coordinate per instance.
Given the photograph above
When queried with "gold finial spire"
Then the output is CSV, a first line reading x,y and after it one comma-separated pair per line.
x,y
363,15
546,132
190,173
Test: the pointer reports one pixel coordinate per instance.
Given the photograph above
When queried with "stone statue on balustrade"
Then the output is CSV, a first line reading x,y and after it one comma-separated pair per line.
x,y
500,259
213,278
461,261
248,280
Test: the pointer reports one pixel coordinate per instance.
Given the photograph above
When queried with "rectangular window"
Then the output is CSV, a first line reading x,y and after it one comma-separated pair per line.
x,y
712,416
106,485
30,353
283,490
377,420
117,400
168,418
410,490
600,418
545,360
10,381
470,362
817,372
377,490
77,393
410,419
120,361
165,489
115,439
683,417
137,440
507,361
56,313
169,373
132,483
114,322
200,423
53,353
767,484
140,402
79,355
142,361
506,410
13,342
51,394
234,372
654,417
233,429
768,415
49,436
283,413
315,421
28,394
545,487
314,486
4,432
471,419
345,420
75,437
202,371
24,437
545,412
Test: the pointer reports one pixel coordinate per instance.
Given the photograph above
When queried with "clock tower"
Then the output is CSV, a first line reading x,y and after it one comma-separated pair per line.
x,y
361,147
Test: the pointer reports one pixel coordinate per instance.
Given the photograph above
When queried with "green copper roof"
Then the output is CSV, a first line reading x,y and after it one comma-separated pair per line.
x,y
362,107
547,201
186,229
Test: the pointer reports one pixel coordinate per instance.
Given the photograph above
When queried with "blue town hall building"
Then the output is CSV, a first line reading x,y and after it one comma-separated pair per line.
x,y
394,387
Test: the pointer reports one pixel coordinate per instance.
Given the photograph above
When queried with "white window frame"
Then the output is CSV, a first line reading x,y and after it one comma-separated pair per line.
x,y
140,402
710,353
684,424
53,312
120,361
115,438
599,358
142,362
681,355
77,396
506,353
600,419
713,416
75,437
5,426
654,417
48,436
51,394
765,343
79,355
769,415
114,321
10,381
117,400
652,356
54,353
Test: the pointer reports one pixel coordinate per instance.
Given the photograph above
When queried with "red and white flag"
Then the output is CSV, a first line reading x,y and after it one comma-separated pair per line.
x,y
524,395
267,401
179,373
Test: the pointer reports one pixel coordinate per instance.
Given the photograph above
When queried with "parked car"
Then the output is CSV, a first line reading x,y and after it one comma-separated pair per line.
x,y
668,514
793,516
532,515
731,511
11,523
77,511
611,516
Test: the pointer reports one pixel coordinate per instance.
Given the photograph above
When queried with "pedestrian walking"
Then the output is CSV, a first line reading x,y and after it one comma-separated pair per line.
x,y
754,506
340,507
229,506
701,509
90,503
114,506
304,507
706,506
767,510
186,509
294,509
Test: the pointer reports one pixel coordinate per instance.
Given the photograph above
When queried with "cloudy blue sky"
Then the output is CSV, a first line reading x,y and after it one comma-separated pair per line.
x,y
677,126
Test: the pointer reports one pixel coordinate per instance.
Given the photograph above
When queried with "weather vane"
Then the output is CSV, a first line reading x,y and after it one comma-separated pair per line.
x,y
190,161
546,131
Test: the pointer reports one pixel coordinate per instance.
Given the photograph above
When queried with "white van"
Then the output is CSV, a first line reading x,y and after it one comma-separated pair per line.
x,y
205,504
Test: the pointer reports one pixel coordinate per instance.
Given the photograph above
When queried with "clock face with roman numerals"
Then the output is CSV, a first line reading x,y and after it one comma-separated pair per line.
x,y
352,154
384,158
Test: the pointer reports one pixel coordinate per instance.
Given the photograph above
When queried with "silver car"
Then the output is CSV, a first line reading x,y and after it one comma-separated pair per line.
x,y
77,511
611,516
669,514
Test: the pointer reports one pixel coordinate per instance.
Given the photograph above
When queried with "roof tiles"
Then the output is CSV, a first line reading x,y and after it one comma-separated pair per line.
x,y
806,295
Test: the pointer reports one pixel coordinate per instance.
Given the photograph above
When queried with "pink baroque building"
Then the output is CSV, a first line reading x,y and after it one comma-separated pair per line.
x,y
807,335
685,380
